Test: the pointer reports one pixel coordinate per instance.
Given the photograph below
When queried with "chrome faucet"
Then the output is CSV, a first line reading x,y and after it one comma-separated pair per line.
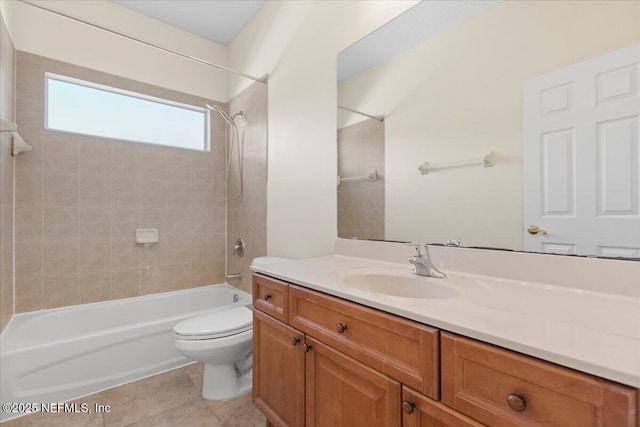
x,y
422,262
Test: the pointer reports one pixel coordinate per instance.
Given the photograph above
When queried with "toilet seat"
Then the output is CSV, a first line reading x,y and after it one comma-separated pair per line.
x,y
220,324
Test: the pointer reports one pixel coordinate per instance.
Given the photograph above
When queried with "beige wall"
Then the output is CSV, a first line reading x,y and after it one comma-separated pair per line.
x,y
296,43
79,200
43,33
7,104
459,95
247,216
361,203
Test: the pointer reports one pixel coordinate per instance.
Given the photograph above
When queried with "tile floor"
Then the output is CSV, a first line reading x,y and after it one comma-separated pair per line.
x,y
166,400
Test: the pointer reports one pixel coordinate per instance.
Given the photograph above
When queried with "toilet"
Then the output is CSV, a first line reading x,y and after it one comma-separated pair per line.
x,y
222,341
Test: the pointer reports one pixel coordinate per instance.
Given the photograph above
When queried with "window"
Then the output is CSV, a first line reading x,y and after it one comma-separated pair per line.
x,y
91,109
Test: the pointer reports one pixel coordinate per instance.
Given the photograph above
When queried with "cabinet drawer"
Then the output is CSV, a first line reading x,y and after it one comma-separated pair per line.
x,y
404,350
503,388
420,411
271,296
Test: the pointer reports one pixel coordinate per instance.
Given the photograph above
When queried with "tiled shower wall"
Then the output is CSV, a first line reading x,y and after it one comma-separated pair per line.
x,y
79,200
247,216
361,203
7,82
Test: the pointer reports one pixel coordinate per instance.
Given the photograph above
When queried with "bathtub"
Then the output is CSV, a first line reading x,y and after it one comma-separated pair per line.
x,y
66,353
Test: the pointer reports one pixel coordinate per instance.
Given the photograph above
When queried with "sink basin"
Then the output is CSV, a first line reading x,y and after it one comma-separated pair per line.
x,y
397,283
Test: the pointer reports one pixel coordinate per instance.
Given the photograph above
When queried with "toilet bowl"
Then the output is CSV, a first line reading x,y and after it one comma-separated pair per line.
x,y
222,342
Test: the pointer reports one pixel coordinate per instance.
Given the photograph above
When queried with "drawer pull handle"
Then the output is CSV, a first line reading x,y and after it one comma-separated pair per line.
x,y
408,406
341,327
307,348
516,402
267,296
295,340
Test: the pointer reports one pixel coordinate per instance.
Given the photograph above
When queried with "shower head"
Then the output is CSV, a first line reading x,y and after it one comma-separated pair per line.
x,y
223,113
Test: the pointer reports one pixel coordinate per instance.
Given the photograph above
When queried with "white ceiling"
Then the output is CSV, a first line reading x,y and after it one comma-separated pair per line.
x,y
423,21
217,20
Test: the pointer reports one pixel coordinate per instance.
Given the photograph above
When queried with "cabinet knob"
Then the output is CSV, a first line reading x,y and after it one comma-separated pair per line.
x,y
341,327
295,340
516,402
408,406
307,348
267,296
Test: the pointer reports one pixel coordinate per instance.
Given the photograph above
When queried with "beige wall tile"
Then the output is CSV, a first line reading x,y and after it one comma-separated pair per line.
x,y
60,189
84,197
125,283
60,291
124,223
153,194
153,278
61,155
28,223
94,286
178,276
125,190
28,294
60,257
60,223
28,187
125,253
28,259
95,222
178,249
95,255
95,190
96,157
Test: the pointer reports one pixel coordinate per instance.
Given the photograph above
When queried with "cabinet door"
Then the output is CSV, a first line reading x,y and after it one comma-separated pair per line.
x,y
342,392
420,411
278,371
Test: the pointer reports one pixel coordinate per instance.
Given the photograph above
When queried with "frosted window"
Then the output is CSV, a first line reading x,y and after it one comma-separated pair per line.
x,y
91,109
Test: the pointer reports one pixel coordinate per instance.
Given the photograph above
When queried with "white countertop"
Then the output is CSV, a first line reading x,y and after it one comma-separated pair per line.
x,y
590,331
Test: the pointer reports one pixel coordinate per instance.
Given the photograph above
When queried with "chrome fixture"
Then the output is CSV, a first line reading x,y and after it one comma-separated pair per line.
x,y
454,242
234,276
238,248
235,142
422,262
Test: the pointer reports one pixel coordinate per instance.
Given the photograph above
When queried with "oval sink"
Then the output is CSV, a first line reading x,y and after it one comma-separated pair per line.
x,y
398,285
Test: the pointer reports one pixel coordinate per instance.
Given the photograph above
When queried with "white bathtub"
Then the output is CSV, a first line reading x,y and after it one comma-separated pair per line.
x,y
62,354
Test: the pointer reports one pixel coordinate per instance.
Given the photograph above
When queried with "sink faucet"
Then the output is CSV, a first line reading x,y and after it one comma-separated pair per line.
x,y
422,262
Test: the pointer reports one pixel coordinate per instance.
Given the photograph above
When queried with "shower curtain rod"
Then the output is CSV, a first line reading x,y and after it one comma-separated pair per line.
x,y
381,118
262,79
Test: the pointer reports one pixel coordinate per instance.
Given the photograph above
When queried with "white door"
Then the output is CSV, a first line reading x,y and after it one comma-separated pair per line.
x,y
581,157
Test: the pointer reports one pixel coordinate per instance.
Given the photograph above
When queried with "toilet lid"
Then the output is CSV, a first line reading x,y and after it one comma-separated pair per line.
x,y
219,324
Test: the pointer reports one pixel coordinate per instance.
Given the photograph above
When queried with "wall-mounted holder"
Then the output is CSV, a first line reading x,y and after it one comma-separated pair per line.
x,y
17,143
371,176
486,161
147,236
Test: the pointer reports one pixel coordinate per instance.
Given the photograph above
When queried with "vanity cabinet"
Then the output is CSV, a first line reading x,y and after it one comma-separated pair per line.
x,y
278,382
334,363
502,388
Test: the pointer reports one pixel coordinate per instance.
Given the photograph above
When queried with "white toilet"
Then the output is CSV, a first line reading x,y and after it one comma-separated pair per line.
x,y
222,341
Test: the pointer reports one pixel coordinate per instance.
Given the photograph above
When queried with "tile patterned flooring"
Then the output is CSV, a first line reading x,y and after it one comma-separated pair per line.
x,y
166,400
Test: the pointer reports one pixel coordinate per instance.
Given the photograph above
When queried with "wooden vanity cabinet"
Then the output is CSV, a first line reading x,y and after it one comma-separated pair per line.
x,y
503,388
334,363
402,349
420,411
278,374
344,392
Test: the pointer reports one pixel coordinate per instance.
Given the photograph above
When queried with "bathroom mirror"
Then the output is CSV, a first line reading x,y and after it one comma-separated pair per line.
x,y
507,125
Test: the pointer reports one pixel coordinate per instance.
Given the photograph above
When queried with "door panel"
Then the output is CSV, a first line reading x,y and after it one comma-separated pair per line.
x,y
581,157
